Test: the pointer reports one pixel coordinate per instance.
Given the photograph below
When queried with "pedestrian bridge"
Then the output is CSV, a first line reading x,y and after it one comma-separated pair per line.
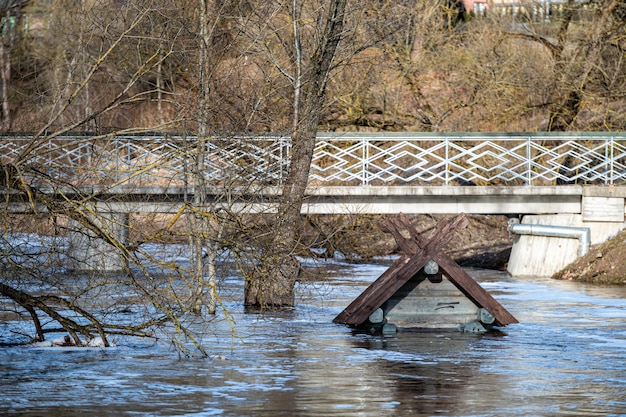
x,y
508,173
563,180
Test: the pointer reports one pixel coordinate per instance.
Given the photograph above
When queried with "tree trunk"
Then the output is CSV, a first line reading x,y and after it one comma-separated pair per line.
x,y
564,114
8,30
272,285
200,228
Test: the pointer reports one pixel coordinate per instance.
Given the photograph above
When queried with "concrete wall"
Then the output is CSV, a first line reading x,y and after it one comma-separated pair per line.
x,y
543,256
87,252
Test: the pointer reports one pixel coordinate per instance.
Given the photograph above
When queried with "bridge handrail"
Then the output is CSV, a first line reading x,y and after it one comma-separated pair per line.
x,y
364,159
470,158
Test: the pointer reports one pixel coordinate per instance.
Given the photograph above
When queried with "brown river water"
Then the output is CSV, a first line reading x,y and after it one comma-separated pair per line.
x,y
566,357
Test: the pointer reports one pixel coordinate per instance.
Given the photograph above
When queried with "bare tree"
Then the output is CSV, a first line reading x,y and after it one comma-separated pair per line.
x,y
10,21
300,40
583,71
100,82
583,46
96,84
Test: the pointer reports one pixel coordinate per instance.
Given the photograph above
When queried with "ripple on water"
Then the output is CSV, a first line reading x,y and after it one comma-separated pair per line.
x,y
567,356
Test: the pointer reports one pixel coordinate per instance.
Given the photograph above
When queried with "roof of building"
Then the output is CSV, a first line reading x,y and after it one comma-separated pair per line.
x,y
418,252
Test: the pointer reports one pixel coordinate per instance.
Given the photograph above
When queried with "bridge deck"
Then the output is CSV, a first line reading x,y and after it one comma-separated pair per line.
x,y
601,203
450,199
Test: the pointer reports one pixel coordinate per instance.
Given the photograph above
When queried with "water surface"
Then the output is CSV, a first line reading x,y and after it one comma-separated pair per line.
x,y
566,357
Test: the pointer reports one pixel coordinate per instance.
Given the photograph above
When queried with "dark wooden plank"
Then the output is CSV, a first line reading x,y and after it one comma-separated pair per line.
x,y
444,230
408,246
448,227
380,290
473,290
399,273
418,252
441,235
460,277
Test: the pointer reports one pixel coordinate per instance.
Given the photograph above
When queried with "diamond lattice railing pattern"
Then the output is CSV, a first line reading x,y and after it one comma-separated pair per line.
x,y
363,159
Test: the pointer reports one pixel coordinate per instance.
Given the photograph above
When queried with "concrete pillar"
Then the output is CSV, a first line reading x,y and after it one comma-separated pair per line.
x,y
542,256
87,252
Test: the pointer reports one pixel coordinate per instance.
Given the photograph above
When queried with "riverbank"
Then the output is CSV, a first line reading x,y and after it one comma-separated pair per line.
x,y
603,264
484,243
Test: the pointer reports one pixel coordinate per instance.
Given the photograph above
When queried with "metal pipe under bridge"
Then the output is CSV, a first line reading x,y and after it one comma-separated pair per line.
x,y
506,173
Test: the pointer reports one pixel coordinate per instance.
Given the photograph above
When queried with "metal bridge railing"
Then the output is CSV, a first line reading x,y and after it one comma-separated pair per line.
x,y
470,159
339,159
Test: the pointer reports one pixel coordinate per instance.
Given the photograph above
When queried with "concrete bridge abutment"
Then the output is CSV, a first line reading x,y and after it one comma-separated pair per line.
x,y
543,256
88,252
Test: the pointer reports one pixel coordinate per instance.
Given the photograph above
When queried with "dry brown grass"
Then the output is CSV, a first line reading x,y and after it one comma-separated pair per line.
x,y
603,264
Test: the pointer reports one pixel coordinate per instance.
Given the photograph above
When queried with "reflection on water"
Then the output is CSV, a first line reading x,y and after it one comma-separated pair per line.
x,y
567,357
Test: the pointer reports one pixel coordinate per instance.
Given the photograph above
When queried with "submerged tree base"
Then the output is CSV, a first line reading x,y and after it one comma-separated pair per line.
x,y
271,285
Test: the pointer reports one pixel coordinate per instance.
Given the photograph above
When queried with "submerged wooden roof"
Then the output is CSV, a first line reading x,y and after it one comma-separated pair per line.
x,y
418,251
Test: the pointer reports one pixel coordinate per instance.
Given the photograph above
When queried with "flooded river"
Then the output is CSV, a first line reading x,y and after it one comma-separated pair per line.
x,y
566,357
